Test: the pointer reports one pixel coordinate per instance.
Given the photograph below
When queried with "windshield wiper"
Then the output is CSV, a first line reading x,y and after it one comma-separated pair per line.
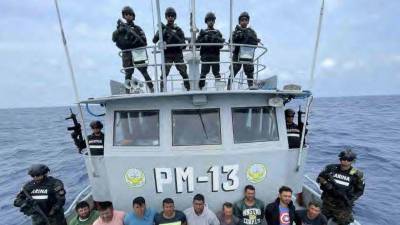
x,y
202,123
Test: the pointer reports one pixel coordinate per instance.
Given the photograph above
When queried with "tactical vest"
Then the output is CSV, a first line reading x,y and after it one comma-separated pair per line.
x,y
345,181
294,135
128,40
96,144
213,36
43,193
173,35
341,178
244,36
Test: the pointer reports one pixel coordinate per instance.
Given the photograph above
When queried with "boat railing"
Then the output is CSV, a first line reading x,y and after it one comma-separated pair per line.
x,y
191,57
83,195
314,185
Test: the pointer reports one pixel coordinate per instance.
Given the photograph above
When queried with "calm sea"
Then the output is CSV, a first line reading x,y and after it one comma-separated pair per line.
x,y
370,125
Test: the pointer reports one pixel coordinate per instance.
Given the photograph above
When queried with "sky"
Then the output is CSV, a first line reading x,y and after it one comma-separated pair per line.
x,y
359,51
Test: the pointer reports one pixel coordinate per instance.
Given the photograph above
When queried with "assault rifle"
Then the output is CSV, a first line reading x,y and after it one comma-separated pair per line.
x,y
130,32
30,206
300,118
335,191
76,135
167,31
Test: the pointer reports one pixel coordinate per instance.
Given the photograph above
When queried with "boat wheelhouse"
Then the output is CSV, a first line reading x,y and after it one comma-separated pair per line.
x,y
179,144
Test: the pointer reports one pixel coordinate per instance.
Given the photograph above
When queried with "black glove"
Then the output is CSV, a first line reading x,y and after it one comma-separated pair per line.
x,y
122,29
327,186
28,207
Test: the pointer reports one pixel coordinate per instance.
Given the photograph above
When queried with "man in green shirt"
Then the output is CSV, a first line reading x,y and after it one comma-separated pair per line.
x,y
249,210
85,215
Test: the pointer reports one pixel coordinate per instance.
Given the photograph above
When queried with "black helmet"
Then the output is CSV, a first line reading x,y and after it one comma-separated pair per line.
x,y
38,170
244,14
96,124
170,12
128,10
347,154
209,16
289,112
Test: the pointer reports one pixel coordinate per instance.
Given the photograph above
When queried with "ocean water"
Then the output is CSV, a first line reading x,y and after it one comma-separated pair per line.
x,y
370,125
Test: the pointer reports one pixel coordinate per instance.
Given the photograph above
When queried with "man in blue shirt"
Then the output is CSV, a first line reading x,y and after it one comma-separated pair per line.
x,y
140,215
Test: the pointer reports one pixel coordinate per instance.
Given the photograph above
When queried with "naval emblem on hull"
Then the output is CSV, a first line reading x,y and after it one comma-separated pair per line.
x,y
256,172
135,177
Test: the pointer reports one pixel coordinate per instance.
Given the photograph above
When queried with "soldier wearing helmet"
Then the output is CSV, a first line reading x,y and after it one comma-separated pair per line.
x,y
209,53
342,185
173,34
95,140
42,198
130,36
293,130
243,35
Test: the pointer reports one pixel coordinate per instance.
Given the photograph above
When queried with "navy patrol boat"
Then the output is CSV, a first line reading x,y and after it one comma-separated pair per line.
x,y
177,143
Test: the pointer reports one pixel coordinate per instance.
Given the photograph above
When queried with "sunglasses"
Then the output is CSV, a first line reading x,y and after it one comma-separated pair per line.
x,y
347,159
128,14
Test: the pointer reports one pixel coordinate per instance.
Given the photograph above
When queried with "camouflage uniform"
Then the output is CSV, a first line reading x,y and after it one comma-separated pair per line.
x,y
243,36
173,34
340,190
209,53
130,36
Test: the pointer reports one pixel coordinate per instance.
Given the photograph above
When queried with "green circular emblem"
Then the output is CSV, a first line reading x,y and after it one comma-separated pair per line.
x,y
135,177
256,172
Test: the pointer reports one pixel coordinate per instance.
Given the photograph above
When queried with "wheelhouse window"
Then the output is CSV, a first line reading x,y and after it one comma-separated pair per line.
x,y
136,128
254,124
196,127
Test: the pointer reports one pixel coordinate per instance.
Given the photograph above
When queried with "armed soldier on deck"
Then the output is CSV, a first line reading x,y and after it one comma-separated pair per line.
x,y
130,36
294,130
95,140
42,198
342,185
173,34
243,35
209,53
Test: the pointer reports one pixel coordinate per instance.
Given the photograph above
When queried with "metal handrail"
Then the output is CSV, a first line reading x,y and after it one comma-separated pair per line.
x,y
315,184
185,63
195,47
171,78
77,198
264,49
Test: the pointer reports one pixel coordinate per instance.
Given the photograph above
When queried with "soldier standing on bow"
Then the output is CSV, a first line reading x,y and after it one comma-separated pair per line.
x,y
129,36
173,34
243,35
209,53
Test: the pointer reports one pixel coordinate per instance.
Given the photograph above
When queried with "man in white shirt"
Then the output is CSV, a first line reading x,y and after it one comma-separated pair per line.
x,y
199,214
